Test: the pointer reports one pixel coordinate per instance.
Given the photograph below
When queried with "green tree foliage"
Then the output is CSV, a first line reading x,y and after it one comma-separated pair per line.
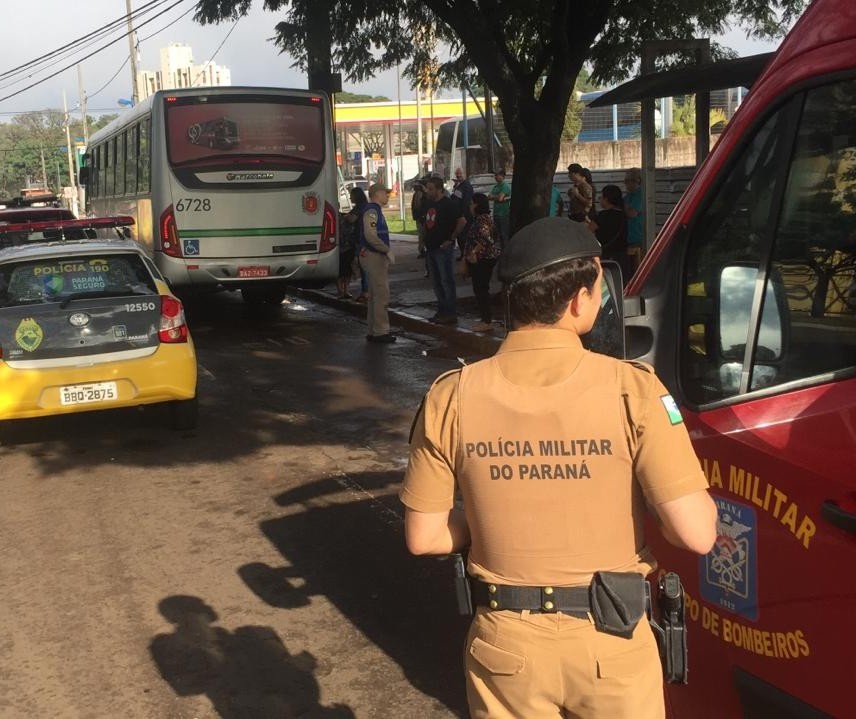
x,y
529,52
355,97
683,117
28,138
574,113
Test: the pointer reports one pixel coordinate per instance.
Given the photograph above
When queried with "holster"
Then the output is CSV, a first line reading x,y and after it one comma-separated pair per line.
x,y
671,631
463,591
617,602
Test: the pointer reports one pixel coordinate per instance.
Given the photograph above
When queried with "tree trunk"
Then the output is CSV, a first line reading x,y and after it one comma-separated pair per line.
x,y
319,38
535,129
535,156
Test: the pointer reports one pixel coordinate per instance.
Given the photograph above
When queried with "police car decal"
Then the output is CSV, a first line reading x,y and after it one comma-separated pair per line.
x,y
728,573
671,409
29,334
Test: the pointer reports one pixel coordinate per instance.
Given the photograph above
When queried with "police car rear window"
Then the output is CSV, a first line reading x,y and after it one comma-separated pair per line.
x,y
57,278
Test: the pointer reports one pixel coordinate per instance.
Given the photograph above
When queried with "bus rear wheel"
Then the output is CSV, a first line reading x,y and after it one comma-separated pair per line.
x,y
263,295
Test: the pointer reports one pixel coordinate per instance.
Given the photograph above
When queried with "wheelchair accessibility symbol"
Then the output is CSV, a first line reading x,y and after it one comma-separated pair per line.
x,y
191,248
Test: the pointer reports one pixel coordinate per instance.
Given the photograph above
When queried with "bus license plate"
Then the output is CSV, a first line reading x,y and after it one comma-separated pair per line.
x,y
256,271
86,393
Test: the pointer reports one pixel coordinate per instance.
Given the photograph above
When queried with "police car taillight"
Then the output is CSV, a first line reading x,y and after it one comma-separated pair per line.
x,y
169,233
328,229
173,328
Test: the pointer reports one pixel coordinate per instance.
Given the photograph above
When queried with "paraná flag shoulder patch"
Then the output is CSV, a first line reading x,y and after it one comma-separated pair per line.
x,y
671,409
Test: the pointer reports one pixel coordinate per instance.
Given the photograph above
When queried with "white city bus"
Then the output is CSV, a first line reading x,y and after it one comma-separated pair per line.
x,y
230,187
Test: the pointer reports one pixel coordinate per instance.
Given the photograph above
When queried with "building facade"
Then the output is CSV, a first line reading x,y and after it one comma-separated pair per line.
x,y
177,69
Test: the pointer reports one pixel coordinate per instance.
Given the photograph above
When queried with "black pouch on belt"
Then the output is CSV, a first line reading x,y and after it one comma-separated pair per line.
x,y
617,602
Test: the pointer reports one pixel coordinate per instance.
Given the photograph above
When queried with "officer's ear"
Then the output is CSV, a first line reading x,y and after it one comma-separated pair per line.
x,y
579,302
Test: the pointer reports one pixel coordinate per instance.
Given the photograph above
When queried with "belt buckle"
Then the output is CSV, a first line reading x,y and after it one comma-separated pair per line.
x,y
548,600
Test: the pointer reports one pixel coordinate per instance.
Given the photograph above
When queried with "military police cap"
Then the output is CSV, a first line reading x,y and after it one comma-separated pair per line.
x,y
545,242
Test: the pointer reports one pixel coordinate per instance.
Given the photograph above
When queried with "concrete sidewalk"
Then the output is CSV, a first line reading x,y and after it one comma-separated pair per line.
x,y
412,301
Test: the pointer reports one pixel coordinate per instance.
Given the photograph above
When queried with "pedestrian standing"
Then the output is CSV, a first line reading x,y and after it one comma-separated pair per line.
x,y
556,452
633,208
481,250
500,195
591,215
463,193
610,228
376,257
444,221
579,194
557,204
418,208
354,219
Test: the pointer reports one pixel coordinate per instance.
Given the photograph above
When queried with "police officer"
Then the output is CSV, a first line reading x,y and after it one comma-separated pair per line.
x,y
556,452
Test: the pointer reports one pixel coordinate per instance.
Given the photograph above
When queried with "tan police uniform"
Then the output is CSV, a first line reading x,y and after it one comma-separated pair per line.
x,y
555,451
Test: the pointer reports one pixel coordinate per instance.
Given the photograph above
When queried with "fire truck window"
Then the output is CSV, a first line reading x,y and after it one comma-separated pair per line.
x,y
786,213
815,243
733,231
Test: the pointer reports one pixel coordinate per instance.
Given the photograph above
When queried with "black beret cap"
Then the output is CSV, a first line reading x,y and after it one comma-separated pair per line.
x,y
543,243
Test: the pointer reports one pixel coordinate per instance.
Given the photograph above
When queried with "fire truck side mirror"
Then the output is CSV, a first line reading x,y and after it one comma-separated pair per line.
x,y
607,335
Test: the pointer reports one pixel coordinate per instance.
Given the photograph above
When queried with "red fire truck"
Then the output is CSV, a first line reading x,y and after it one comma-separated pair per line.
x,y
746,306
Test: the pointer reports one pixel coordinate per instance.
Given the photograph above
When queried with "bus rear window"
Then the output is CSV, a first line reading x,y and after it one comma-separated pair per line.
x,y
235,126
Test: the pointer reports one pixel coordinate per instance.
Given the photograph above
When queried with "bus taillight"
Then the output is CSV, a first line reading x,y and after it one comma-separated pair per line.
x,y
169,233
328,229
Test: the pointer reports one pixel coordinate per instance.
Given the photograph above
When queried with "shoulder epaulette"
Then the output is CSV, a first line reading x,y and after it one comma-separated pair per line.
x,y
644,366
422,401
443,376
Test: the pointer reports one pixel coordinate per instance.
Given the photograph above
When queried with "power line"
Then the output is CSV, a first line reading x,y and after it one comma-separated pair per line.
x,y
121,67
28,112
103,47
147,37
104,29
211,59
186,12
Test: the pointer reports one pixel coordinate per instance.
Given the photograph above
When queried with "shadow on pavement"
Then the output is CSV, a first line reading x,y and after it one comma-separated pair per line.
x,y
404,605
247,673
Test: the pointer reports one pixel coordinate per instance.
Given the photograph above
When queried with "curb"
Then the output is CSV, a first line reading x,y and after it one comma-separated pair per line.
x,y
477,342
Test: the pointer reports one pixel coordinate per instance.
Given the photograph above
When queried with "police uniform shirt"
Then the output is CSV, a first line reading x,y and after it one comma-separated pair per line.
x,y
555,451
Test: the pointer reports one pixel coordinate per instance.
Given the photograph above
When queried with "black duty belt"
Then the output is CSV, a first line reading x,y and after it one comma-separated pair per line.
x,y
568,600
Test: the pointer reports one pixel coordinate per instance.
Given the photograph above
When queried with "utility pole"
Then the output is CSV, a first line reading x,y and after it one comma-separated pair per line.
x,y
488,111
135,95
71,182
82,99
44,169
419,149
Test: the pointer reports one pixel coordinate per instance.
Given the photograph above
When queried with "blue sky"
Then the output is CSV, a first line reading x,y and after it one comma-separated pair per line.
x,y
243,47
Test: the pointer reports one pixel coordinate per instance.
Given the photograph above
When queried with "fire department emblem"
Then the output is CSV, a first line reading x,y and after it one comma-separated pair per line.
x,y
729,571
29,335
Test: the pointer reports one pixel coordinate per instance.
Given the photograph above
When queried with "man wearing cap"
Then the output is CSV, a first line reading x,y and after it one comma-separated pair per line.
x,y
556,452
375,257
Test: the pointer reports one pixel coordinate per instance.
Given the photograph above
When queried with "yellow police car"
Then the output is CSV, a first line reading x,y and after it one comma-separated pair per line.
x,y
90,324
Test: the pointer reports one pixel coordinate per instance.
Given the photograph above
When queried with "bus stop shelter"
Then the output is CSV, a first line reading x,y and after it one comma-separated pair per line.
x,y
698,79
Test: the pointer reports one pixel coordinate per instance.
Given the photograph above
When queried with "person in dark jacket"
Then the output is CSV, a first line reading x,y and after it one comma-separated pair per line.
x,y
444,221
359,200
610,228
463,193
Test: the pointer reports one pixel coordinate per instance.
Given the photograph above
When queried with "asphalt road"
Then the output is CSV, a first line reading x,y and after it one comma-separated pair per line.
x,y
251,569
